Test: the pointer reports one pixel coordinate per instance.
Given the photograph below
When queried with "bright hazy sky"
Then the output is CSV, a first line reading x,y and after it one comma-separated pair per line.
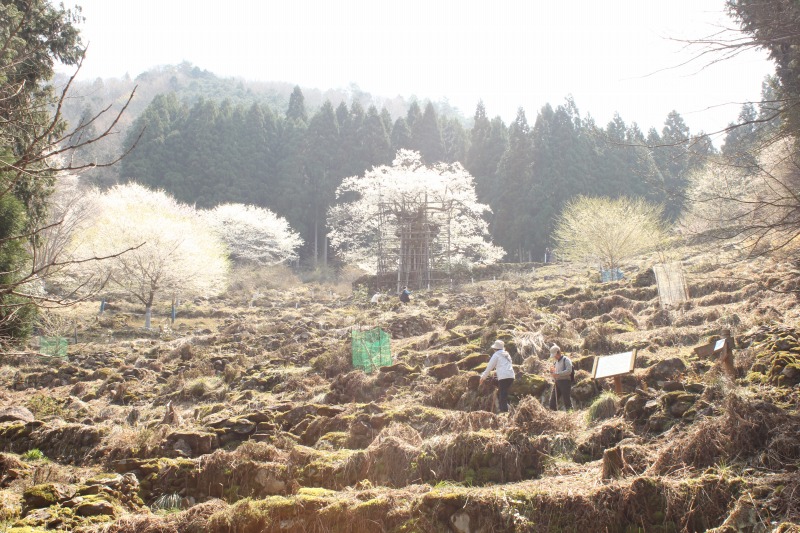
x,y
614,55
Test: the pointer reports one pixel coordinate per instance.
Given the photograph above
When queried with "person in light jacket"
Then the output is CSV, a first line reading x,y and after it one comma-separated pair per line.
x,y
562,379
501,363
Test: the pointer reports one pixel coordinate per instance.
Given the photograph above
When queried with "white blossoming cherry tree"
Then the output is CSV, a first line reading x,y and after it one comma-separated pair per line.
x,y
411,218
174,253
254,234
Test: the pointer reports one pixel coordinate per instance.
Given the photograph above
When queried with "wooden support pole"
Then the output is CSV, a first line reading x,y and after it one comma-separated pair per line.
x,y
618,385
726,358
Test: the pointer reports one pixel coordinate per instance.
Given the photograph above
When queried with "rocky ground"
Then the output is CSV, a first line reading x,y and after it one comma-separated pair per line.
x,y
246,414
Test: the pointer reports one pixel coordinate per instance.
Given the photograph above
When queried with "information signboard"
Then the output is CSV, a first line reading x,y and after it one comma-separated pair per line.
x,y
613,365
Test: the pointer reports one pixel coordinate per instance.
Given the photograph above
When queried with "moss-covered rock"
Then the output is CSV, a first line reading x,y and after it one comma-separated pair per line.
x,y
528,385
471,361
678,402
45,495
443,371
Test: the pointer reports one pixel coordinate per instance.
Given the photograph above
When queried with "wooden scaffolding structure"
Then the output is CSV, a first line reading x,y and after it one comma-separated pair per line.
x,y
414,241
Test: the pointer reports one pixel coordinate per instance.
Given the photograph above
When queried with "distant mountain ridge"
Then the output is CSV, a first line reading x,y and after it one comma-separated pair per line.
x,y
190,83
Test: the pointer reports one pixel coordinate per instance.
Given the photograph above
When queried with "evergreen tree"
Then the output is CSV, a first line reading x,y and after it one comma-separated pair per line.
x,y
351,161
342,113
201,152
229,131
258,145
426,136
454,141
514,176
644,171
290,197
413,115
770,110
672,156
497,146
158,151
86,154
742,138
401,135
375,147
322,142
297,106
386,118
477,161
34,34
15,313
565,165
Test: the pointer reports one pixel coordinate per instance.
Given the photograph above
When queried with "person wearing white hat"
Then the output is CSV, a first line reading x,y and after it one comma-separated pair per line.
x,y
501,363
562,379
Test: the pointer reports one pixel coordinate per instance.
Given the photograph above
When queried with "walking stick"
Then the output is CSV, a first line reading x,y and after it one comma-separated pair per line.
x,y
555,389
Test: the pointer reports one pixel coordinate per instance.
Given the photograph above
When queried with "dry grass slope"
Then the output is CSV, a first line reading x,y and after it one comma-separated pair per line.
x,y
246,415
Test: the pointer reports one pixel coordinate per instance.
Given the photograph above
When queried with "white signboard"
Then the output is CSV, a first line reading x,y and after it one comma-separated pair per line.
x,y
613,365
719,345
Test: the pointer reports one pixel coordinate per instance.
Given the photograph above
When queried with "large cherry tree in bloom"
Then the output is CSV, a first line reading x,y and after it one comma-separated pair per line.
x,y
254,234
410,212
172,251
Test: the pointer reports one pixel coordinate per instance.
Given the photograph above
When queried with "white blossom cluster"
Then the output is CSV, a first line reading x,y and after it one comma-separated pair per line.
x,y
172,252
377,206
254,234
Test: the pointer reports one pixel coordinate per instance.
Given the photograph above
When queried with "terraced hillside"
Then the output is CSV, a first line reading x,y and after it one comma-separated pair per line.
x,y
247,416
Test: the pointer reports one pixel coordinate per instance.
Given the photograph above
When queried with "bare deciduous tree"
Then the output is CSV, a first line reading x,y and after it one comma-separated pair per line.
x,y
757,207
35,147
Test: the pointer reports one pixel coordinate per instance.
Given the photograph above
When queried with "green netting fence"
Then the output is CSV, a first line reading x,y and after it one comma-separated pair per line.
x,y
371,349
53,346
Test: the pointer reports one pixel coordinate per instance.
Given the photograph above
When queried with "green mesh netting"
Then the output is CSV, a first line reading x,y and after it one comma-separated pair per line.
x,y
371,349
54,346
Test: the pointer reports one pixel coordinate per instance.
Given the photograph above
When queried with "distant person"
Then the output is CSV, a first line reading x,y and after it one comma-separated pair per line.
x,y
405,296
376,298
501,360
562,379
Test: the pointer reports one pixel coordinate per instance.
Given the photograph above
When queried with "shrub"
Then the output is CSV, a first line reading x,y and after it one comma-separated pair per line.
x,y
46,406
167,503
605,406
34,454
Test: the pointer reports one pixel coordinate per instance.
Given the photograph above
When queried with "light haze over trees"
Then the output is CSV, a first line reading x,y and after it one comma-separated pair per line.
x,y
212,153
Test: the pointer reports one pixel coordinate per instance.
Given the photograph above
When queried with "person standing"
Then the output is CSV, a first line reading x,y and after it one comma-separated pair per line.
x,y
562,379
501,363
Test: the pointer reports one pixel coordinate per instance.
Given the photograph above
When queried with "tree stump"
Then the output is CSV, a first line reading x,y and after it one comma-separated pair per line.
x,y
613,463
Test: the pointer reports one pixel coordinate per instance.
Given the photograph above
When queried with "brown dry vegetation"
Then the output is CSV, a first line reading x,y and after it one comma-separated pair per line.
x,y
246,415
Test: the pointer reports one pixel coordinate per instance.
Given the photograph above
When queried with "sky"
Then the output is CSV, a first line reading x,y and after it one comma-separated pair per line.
x,y
620,56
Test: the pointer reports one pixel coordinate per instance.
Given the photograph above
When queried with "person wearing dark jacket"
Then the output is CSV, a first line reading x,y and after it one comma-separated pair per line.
x,y
405,296
562,379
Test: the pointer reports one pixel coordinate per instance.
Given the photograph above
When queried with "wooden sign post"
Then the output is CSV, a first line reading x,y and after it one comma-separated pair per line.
x,y
614,366
723,349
